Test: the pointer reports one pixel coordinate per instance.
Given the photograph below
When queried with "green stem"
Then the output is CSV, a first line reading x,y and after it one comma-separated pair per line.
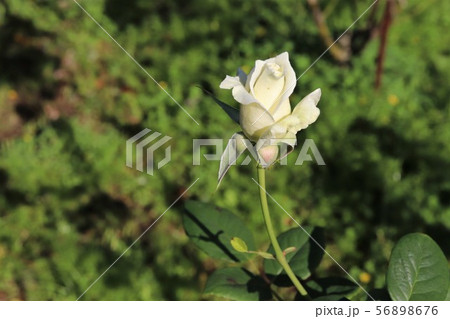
x,y
273,239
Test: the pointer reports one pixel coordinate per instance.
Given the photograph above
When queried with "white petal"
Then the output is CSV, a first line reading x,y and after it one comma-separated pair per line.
x,y
290,81
255,73
278,133
235,147
290,139
306,111
230,82
289,122
254,120
271,136
241,95
269,85
284,110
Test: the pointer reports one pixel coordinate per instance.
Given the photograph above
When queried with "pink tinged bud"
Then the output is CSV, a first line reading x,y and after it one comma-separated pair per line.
x,y
268,155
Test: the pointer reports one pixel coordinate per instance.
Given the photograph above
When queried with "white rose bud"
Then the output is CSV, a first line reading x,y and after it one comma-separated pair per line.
x,y
266,117
264,96
268,155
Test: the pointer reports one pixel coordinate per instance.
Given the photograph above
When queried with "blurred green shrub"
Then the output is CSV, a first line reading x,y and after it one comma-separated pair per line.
x,y
69,206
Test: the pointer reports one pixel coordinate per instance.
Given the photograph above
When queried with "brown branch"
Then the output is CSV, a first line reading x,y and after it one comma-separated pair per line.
x,y
385,25
339,53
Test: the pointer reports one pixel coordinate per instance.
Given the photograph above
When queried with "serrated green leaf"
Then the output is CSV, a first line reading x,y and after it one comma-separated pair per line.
x,y
239,245
307,255
417,270
212,228
237,284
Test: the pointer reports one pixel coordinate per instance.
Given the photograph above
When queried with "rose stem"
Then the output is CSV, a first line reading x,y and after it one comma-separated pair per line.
x,y
273,239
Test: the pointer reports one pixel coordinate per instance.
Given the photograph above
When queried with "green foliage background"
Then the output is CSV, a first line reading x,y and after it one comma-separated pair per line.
x,y
70,98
